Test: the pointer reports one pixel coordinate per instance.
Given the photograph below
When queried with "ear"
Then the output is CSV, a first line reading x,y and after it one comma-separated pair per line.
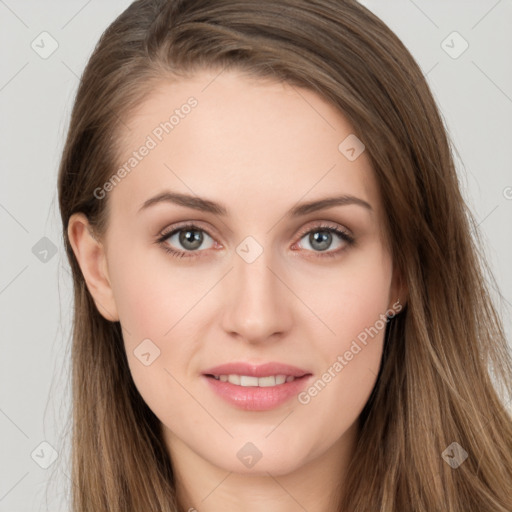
x,y
91,257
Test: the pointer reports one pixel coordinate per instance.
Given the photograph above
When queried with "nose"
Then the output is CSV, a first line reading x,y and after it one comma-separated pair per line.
x,y
259,302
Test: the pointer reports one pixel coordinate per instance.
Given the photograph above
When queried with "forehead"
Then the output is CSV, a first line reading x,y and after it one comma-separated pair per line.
x,y
254,143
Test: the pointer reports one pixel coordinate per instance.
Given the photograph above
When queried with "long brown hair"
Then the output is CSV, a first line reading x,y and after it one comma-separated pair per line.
x,y
446,368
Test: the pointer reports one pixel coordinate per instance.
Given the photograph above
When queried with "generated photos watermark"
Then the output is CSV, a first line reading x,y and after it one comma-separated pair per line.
x,y
152,140
306,396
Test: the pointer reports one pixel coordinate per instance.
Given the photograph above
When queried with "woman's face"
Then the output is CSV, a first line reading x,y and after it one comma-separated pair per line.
x,y
262,278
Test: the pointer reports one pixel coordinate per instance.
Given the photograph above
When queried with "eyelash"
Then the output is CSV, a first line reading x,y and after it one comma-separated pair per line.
x,y
344,235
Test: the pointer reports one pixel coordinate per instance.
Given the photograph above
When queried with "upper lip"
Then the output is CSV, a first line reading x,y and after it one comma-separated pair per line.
x,y
254,370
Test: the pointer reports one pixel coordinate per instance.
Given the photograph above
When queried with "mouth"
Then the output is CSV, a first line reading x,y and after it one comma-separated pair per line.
x,y
256,388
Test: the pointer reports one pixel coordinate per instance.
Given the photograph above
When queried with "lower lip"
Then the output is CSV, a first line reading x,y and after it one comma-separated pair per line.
x,y
253,398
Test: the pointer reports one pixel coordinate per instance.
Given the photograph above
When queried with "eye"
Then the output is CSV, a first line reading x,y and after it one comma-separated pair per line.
x,y
189,237
321,238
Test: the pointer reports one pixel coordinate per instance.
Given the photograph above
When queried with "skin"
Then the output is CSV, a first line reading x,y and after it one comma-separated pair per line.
x,y
258,148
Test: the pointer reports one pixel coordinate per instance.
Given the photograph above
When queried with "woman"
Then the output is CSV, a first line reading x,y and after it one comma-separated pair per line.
x,y
278,301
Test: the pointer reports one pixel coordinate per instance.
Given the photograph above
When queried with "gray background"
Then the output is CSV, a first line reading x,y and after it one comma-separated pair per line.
x,y
473,90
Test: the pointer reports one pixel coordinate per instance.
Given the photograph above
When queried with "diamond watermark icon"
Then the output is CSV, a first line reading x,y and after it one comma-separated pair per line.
x,y
454,45
44,455
249,249
249,455
44,250
351,147
44,45
454,455
146,352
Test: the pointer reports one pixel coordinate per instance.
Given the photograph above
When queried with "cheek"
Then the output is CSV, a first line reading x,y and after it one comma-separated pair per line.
x,y
354,310
353,299
150,295
155,305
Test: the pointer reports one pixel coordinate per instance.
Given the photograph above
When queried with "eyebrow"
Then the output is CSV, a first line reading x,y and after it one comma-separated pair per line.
x,y
206,205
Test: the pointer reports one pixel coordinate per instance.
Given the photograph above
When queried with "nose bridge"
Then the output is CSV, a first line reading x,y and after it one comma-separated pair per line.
x,y
257,307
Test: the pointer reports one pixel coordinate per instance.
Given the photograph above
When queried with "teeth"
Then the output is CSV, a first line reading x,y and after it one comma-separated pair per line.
x,y
234,379
248,381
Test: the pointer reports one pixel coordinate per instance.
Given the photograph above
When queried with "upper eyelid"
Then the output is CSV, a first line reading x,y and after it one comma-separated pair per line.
x,y
324,225
167,232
